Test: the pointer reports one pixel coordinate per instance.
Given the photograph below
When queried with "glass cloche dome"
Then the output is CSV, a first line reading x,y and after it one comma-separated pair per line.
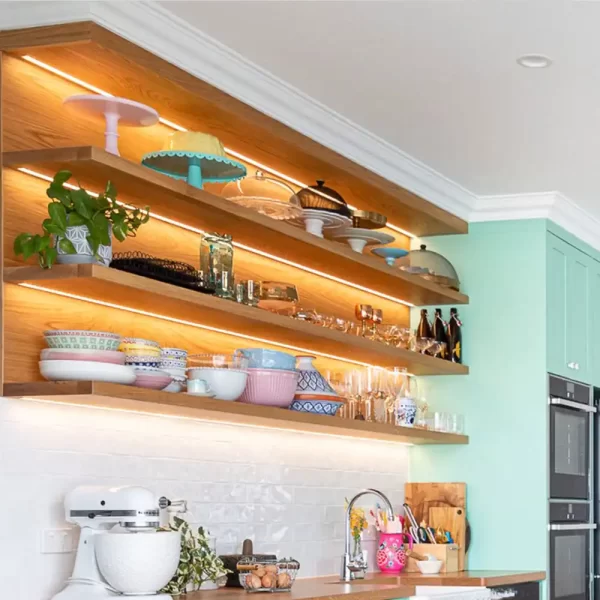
x,y
430,265
265,195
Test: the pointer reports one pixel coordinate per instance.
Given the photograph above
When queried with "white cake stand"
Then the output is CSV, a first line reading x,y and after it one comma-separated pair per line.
x,y
357,238
115,111
316,221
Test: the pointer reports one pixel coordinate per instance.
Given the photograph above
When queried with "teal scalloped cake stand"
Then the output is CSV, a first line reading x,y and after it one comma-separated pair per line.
x,y
196,168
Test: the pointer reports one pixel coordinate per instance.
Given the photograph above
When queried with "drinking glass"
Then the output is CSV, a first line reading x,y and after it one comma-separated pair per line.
x,y
456,423
440,421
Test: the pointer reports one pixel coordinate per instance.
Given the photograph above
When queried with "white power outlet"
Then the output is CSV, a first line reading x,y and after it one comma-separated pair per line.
x,y
57,541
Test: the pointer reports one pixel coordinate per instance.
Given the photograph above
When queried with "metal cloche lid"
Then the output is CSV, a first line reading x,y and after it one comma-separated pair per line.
x,y
321,197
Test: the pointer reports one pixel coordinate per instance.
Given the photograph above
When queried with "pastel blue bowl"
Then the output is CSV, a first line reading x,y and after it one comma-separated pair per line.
x,y
390,254
317,407
260,358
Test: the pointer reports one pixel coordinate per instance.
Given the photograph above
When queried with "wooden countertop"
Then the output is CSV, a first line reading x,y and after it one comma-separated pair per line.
x,y
467,578
323,588
379,587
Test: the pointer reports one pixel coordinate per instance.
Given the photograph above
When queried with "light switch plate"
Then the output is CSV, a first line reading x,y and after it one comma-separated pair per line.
x,y
57,541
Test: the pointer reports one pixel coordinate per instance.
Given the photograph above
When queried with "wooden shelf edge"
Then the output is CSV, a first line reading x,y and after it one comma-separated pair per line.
x,y
132,399
432,292
111,285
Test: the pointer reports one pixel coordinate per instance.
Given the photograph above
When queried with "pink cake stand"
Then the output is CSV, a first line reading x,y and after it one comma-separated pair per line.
x,y
115,111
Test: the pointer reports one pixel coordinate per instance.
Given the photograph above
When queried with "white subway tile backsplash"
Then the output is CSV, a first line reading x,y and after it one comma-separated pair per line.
x,y
283,490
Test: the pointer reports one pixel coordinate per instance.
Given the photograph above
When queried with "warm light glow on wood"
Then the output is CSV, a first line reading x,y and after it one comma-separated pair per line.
x,y
284,261
177,127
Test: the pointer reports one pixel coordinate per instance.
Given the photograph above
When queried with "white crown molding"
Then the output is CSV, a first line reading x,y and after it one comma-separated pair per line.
x,y
151,26
546,205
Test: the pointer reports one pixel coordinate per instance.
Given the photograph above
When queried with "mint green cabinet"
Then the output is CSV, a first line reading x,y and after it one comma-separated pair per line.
x,y
571,276
595,325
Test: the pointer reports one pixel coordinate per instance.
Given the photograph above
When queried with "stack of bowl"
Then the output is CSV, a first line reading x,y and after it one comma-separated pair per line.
x,y
272,377
144,357
174,362
81,355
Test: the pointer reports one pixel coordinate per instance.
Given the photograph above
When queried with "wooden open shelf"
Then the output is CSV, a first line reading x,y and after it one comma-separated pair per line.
x,y
132,291
101,58
122,397
202,210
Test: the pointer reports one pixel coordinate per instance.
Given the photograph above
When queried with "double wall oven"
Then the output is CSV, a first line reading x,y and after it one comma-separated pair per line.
x,y
572,416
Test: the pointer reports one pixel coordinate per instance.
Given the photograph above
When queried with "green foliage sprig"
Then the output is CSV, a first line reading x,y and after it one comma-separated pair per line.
x,y
197,562
71,207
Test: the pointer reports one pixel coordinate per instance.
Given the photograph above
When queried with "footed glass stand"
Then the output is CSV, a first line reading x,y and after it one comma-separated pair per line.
x,y
195,168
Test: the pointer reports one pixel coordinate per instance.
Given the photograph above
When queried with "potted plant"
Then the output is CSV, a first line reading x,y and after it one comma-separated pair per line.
x,y
79,226
198,562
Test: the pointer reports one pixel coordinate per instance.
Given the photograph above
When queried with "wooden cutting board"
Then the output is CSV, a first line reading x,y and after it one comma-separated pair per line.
x,y
422,497
453,520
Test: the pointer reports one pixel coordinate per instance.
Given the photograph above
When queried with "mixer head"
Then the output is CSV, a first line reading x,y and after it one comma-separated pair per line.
x,y
99,507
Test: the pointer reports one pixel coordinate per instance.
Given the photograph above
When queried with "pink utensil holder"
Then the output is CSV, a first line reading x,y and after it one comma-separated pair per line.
x,y
391,555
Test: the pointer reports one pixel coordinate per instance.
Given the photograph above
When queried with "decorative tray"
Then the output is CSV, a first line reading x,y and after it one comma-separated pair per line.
x,y
161,269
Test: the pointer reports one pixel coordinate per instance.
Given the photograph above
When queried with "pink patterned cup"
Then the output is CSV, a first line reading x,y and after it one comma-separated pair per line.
x,y
391,555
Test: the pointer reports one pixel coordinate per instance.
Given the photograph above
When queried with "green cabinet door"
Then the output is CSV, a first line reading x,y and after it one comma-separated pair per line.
x,y
556,322
579,276
595,324
570,279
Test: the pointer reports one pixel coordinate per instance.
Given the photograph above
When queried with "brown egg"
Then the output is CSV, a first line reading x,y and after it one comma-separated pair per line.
x,y
283,580
269,580
271,568
253,582
260,571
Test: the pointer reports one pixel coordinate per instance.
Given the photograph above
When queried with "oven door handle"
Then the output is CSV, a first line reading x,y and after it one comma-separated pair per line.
x,y
572,526
571,404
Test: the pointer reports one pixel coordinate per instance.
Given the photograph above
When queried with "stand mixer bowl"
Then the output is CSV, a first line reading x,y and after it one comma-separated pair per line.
x,y
138,563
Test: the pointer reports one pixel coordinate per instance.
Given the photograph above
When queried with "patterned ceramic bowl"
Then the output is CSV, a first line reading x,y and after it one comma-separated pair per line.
x,y
140,342
138,350
173,353
142,361
317,407
166,363
78,339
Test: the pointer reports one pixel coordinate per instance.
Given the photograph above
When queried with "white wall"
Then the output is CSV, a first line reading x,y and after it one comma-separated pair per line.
x,y
285,490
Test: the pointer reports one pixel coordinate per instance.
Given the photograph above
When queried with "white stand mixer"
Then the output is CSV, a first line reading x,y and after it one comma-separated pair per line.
x,y
97,510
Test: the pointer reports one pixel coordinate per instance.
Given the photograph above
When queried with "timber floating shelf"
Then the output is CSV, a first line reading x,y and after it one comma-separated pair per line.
x,y
94,282
132,399
199,209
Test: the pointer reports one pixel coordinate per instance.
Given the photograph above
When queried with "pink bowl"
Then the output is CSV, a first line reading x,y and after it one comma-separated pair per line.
x,y
105,356
152,380
270,387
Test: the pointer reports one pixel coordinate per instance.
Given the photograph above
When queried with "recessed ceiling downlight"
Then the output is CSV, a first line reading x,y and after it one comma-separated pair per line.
x,y
534,61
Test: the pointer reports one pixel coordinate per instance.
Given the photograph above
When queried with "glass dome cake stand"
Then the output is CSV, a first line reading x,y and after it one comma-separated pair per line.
x,y
194,167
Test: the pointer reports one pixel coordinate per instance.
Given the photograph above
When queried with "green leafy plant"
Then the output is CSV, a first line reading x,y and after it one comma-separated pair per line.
x,y
71,207
197,562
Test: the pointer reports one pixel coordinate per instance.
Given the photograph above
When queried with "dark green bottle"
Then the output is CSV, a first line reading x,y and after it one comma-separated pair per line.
x,y
441,335
455,335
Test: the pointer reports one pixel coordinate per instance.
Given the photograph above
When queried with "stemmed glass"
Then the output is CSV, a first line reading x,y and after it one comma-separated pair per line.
x,y
364,313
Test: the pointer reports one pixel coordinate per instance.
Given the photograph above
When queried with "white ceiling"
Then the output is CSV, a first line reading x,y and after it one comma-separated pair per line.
x,y
438,79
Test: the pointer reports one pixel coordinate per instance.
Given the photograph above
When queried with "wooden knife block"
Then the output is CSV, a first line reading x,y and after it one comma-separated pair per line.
x,y
449,553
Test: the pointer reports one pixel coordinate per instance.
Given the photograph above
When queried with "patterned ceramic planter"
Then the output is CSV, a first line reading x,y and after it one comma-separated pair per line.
x,y
84,255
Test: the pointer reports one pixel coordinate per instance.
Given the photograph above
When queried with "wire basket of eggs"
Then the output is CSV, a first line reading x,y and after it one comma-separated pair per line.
x,y
268,575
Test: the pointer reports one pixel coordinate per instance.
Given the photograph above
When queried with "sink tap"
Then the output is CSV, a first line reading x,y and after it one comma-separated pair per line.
x,y
356,568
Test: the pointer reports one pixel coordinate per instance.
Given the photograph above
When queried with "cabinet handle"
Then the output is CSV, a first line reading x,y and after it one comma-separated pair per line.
x,y
572,365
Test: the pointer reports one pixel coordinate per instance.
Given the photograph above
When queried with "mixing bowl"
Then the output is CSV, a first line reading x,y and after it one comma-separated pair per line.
x,y
270,387
225,384
138,563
